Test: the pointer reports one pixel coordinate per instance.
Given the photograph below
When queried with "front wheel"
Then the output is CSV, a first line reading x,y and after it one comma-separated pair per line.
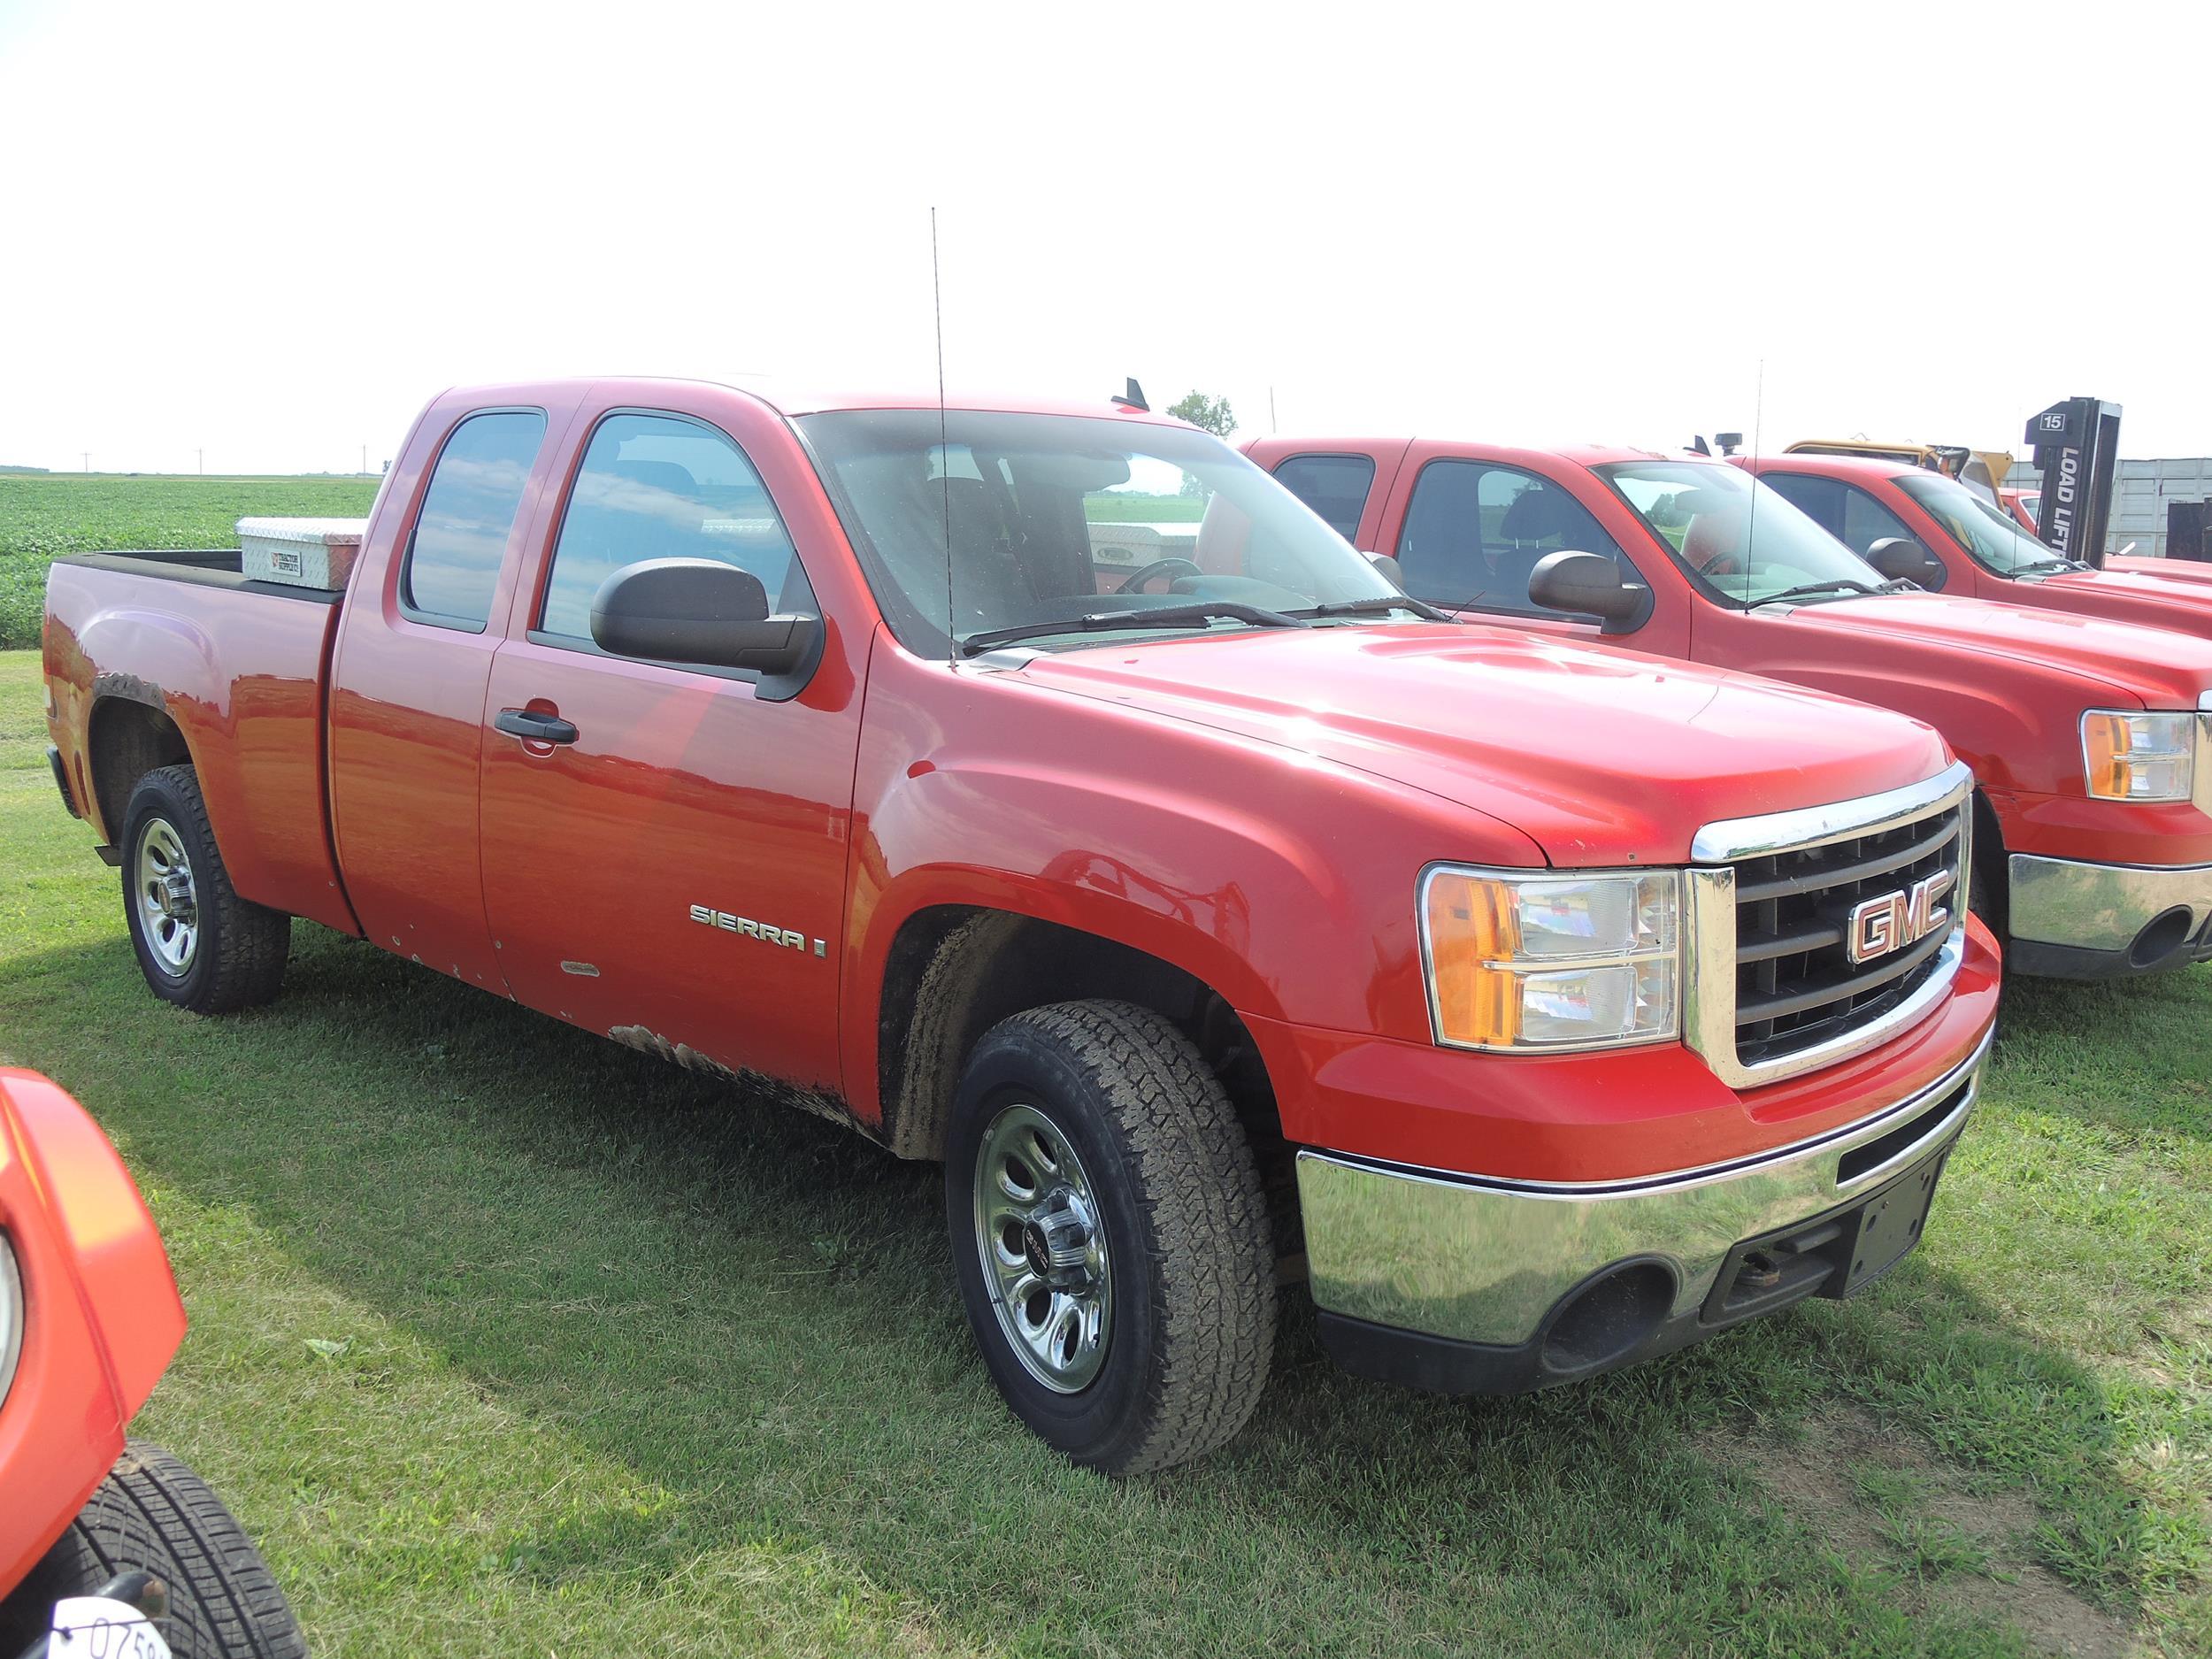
x,y
152,1512
1111,1236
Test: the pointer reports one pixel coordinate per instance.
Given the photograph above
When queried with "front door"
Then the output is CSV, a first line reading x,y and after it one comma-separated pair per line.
x,y
664,848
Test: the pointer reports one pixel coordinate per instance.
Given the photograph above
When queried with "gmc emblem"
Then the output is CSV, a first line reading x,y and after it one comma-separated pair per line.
x,y
1878,926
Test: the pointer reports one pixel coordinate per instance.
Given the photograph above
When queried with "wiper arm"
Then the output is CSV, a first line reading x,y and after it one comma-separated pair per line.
x,y
1810,590
2049,565
1374,608
1107,621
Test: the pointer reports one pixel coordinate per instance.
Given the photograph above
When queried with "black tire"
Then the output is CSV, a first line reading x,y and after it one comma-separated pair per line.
x,y
236,958
152,1512
1189,1325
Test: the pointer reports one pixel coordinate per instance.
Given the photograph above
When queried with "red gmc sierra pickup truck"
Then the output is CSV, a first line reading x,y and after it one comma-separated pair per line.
x,y
1976,548
2090,740
1551,1006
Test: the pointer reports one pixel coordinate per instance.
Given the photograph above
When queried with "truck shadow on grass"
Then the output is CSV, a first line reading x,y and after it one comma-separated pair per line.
x,y
754,1311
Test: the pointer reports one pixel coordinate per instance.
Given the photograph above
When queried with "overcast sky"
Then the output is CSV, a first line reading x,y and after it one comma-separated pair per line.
x,y
273,233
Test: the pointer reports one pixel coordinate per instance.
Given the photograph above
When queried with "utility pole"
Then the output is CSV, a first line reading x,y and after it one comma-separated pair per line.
x,y
88,458
364,460
203,461
1270,410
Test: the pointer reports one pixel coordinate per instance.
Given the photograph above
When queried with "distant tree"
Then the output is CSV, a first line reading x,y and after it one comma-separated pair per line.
x,y
1210,414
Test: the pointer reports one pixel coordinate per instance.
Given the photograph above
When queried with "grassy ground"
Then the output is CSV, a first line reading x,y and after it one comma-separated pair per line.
x,y
44,514
507,1340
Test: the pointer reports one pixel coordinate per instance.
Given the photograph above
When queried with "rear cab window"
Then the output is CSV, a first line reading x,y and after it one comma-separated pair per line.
x,y
656,486
1334,486
451,569
1475,531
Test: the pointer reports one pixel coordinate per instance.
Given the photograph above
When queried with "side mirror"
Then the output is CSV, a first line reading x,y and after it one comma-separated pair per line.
x,y
1389,567
698,610
1592,585
1902,559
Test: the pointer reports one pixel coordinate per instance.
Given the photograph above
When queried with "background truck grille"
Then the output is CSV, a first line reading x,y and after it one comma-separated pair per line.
x,y
1796,986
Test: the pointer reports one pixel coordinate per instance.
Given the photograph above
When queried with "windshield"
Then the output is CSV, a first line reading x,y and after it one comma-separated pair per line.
x,y
1739,538
1990,537
1059,518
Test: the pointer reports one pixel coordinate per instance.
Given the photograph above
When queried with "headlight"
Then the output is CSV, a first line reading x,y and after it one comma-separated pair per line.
x,y
11,1316
2139,756
1552,960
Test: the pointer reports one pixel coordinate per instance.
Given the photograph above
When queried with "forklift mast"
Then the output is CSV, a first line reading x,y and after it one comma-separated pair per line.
x,y
2077,446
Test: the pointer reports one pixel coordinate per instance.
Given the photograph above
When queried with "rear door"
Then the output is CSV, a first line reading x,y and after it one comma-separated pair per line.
x,y
673,873
408,678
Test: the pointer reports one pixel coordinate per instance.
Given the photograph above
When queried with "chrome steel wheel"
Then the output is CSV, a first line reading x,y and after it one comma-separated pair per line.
x,y
1043,1245
168,909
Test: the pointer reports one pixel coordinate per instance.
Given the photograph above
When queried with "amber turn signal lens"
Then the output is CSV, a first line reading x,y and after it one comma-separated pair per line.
x,y
1471,923
2105,747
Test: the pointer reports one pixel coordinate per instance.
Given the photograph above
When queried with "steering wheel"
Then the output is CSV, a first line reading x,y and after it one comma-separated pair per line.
x,y
1173,564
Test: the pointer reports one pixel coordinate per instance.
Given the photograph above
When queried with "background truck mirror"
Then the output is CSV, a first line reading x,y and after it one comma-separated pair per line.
x,y
699,611
1901,558
1390,569
1590,584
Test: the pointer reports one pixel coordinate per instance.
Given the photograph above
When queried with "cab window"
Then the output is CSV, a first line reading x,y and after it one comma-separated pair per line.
x,y
656,486
1475,533
460,540
1334,486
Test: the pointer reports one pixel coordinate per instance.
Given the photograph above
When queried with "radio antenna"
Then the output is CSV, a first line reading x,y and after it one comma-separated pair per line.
x,y
1751,518
944,447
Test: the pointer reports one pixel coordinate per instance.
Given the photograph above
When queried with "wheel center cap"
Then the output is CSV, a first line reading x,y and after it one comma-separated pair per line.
x,y
1036,1249
1056,1241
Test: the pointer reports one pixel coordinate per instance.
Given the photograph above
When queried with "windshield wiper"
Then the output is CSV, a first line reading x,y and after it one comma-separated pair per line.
x,y
1838,586
1106,621
2040,565
1377,607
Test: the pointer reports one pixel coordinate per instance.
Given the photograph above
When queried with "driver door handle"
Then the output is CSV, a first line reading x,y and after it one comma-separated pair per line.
x,y
532,728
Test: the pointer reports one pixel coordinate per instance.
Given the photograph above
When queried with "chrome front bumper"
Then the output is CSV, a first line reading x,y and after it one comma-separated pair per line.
x,y
2103,907
1472,1259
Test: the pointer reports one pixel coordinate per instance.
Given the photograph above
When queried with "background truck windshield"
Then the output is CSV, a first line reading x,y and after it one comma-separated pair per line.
x,y
1991,539
1055,517
1740,539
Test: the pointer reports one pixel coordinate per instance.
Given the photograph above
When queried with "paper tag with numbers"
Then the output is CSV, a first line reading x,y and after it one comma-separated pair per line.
x,y
93,1627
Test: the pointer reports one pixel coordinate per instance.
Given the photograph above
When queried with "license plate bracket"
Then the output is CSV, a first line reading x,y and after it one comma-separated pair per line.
x,y
1837,1254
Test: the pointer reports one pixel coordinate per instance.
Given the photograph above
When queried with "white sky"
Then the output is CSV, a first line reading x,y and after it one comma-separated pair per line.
x,y
273,232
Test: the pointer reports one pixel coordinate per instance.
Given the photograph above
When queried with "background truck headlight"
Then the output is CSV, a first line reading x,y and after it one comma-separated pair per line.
x,y
1546,960
2140,756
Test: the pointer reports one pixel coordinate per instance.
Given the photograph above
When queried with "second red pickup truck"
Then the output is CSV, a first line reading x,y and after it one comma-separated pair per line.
x,y
2090,739
1551,1006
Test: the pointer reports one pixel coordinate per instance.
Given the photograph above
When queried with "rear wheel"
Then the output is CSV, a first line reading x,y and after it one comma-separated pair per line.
x,y
152,1512
199,945
1111,1236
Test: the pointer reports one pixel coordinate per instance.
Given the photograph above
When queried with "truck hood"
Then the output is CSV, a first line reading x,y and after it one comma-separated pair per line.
x,y
2159,668
1602,757
2146,597
2191,573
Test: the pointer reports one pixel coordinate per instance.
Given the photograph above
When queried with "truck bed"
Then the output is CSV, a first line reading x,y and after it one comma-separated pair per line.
x,y
208,567
178,650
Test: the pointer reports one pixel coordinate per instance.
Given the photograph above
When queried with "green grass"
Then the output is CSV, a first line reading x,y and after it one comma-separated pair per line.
x,y
43,514
1129,507
507,1340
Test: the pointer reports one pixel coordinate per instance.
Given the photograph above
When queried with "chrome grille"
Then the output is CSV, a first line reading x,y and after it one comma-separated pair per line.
x,y
1796,987
1772,990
